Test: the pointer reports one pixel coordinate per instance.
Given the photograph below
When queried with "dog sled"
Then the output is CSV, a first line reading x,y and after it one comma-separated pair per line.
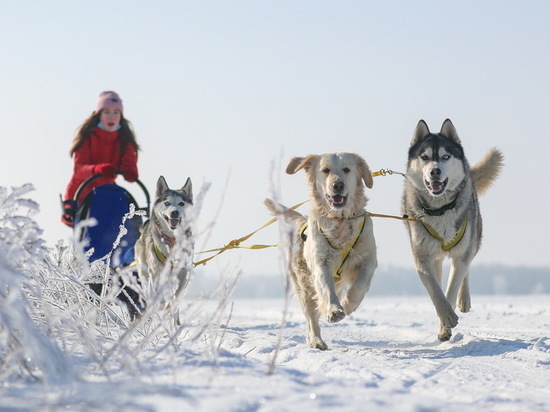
x,y
111,240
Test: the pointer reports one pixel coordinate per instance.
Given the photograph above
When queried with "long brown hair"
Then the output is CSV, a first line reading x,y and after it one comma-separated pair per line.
x,y
125,133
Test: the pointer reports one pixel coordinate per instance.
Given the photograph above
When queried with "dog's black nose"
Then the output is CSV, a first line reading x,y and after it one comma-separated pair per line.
x,y
435,173
174,214
338,186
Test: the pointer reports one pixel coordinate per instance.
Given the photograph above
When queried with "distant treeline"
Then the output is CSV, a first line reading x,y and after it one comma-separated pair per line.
x,y
484,280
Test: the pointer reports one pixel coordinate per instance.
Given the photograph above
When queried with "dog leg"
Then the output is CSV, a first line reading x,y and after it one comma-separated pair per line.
x,y
438,267
354,297
365,272
445,331
313,339
464,301
457,276
305,294
321,272
359,288
445,311
329,303
183,280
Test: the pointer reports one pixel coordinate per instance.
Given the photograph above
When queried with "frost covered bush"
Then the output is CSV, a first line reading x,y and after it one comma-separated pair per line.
x,y
26,350
53,326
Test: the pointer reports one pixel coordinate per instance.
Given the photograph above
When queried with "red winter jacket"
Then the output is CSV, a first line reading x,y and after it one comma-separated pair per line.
x,y
100,147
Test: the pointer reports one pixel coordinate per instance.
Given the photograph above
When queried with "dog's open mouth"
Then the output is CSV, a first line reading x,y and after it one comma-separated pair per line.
x,y
173,223
337,201
437,187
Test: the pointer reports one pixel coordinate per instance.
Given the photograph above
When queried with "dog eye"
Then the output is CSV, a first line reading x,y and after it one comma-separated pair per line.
x,y
326,170
446,157
346,169
181,203
166,203
425,157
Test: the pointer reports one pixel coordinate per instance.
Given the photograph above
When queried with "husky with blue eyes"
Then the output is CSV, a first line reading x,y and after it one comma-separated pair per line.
x,y
441,193
166,238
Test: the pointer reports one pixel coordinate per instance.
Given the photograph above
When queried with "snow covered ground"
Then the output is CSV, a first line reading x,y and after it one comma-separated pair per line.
x,y
384,357
63,349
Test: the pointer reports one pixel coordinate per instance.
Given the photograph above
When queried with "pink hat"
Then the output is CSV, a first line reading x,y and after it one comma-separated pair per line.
x,y
109,99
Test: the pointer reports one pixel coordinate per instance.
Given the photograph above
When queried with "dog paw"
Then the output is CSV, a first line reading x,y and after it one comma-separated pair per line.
x,y
449,319
335,314
464,305
349,307
317,343
445,333
464,308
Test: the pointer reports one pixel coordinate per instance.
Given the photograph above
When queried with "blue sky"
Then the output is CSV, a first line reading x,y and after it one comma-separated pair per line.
x,y
226,92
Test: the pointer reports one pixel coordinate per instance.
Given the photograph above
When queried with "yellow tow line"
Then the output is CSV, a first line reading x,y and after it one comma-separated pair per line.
x,y
236,243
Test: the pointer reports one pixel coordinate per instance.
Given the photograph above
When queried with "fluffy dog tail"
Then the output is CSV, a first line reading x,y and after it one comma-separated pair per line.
x,y
289,215
486,171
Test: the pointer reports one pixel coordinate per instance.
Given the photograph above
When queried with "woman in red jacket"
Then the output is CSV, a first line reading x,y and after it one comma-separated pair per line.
x,y
104,144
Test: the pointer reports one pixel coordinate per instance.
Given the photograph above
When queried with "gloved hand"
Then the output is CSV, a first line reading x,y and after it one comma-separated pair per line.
x,y
105,169
68,212
130,175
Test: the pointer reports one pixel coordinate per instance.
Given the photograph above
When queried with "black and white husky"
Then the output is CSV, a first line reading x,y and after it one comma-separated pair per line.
x,y
167,233
441,193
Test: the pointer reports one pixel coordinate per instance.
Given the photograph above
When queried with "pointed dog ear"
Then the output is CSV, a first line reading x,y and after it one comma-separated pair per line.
x,y
298,163
162,186
365,172
188,188
448,129
420,132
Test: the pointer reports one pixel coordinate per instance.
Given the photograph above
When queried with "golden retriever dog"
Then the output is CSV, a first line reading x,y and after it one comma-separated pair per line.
x,y
334,257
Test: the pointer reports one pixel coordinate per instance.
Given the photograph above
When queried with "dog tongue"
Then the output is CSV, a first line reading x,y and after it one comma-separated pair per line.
x,y
437,186
337,199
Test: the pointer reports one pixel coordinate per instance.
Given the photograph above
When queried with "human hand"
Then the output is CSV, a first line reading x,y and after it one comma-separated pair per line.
x,y
130,175
105,169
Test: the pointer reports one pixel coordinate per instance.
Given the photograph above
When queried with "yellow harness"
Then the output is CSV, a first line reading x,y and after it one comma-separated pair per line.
x,y
158,253
446,246
345,251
